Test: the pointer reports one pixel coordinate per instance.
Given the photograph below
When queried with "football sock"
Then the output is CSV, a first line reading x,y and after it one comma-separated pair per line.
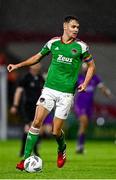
x,y
32,138
81,141
61,141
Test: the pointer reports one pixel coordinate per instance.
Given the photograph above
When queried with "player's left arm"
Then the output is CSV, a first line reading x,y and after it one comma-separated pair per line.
x,y
89,74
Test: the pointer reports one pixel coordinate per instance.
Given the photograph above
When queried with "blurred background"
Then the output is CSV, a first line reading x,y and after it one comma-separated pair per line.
x,y
25,26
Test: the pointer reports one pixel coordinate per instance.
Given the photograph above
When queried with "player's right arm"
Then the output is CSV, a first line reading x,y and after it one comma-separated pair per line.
x,y
31,61
34,59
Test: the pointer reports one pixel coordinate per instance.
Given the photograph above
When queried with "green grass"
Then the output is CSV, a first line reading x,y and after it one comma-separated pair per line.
x,y
98,163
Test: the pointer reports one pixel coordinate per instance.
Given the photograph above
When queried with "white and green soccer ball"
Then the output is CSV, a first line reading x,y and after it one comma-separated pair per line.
x,y
33,164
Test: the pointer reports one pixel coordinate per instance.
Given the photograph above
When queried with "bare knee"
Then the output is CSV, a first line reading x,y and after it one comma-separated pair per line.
x,y
36,123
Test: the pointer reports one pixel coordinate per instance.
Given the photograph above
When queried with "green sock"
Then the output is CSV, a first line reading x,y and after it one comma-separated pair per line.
x,y
61,142
30,142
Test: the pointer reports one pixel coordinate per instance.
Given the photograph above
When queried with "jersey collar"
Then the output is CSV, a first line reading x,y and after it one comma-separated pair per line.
x,y
67,43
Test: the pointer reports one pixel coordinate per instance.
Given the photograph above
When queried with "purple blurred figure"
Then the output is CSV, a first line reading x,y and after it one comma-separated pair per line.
x,y
83,104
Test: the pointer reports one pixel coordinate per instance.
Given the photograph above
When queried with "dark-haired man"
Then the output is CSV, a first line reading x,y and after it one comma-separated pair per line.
x,y
59,88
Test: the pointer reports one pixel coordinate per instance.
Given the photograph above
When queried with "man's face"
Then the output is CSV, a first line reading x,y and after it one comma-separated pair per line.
x,y
71,29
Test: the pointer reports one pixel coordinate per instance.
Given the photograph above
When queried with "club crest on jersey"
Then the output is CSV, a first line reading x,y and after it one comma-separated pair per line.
x,y
42,99
64,59
74,51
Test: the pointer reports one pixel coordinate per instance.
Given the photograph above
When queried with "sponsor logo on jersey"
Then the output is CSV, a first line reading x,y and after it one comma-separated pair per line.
x,y
64,59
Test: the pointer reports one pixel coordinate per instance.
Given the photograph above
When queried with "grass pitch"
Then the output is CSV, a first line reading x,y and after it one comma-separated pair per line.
x,y
99,162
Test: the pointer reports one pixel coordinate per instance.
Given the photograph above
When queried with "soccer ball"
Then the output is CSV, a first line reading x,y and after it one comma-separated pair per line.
x,y
33,164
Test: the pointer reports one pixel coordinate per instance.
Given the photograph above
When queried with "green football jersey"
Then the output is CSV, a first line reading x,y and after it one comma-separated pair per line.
x,y
65,63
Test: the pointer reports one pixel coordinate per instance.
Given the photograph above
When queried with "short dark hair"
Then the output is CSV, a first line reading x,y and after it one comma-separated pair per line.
x,y
69,18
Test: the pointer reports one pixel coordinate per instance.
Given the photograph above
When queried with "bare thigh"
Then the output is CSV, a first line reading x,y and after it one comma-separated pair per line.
x,y
40,115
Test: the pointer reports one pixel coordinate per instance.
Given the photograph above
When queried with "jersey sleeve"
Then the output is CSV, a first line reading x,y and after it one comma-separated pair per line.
x,y
46,49
86,55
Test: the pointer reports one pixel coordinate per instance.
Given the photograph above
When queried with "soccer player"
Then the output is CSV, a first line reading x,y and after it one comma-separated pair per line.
x,y
29,89
59,88
83,104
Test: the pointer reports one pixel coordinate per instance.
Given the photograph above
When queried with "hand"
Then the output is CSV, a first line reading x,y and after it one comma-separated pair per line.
x,y
11,67
13,110
81,87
